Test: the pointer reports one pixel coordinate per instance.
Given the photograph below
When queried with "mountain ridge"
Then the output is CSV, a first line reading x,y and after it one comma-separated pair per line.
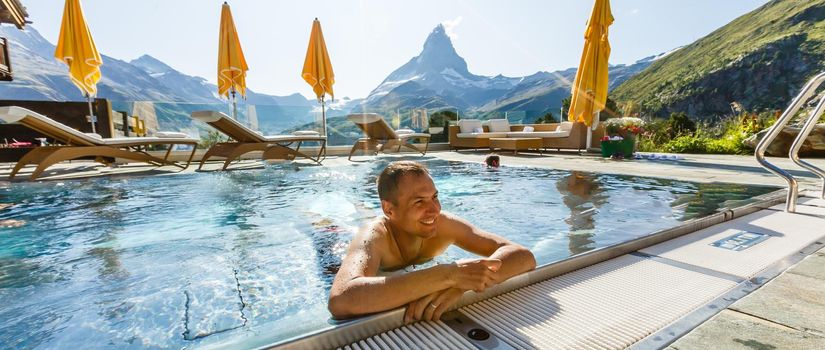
x,y
758,60
438,78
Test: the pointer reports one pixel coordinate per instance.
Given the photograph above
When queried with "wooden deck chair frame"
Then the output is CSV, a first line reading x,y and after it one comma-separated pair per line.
x,y
246,140
380,136
79,145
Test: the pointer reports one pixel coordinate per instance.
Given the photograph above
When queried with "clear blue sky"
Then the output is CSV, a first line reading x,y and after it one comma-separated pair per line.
x,y
368,39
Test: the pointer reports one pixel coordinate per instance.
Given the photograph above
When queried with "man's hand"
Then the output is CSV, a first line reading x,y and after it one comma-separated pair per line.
x,y
475,274
430,307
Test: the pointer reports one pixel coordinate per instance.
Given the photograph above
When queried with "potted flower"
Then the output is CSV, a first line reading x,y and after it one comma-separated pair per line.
x,y
624,130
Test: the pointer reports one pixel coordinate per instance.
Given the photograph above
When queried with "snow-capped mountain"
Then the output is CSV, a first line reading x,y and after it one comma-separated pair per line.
x,y
438,77
39,76
438,71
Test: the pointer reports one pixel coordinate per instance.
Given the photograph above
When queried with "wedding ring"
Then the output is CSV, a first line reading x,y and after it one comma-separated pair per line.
x,y
434,306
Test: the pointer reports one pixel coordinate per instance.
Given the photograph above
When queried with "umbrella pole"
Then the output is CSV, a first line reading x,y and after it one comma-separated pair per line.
x,y
593,124
323,117
234,105
91,112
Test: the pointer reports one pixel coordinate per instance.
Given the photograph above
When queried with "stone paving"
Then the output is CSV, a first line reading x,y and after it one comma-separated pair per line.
x,y
787,313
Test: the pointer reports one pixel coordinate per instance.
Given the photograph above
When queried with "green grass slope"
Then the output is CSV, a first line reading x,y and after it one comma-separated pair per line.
x,y
760,60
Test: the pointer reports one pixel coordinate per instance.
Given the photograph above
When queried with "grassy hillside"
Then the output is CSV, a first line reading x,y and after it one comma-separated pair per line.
x,y
759,60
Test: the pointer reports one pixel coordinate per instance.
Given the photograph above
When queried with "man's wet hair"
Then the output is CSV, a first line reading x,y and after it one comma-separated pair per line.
x,y
391,176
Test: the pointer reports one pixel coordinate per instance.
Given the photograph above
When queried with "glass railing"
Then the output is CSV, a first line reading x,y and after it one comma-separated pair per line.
x,y
284,119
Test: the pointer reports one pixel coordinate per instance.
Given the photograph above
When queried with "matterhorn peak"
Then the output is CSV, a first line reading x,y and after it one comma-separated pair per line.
x,y
439,54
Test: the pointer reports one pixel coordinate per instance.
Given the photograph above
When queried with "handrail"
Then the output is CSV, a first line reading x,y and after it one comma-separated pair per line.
x,y
793,187
810,124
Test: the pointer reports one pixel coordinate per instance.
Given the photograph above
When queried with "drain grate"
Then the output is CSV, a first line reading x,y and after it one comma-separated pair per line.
x,y
421,335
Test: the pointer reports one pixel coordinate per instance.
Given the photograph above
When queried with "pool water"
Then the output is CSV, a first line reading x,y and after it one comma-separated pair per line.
x,y
198,259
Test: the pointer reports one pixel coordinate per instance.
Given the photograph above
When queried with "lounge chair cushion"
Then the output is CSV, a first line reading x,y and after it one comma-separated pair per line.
x,y
565,126
528,129
404,131
499,125
306,133
413,135
540,134
481,135
468,125
170,134
95,135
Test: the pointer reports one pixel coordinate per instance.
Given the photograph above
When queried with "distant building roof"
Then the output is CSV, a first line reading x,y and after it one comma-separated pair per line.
x,y
12,11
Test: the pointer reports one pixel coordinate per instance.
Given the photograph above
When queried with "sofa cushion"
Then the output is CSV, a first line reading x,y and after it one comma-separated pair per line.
x,y
499,125
468,125
540,134
565,126
481,135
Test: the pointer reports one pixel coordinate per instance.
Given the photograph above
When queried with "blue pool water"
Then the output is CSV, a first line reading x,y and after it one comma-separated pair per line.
x,y
198,259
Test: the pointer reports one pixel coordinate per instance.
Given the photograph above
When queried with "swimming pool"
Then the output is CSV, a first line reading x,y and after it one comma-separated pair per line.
x,y
189,260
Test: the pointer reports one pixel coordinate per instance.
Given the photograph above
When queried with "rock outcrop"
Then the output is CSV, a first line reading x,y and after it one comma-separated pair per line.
x,y
814,145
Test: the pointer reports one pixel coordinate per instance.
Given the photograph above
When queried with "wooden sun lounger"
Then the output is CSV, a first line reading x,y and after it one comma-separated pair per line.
x,y
380,136
246,140
78,144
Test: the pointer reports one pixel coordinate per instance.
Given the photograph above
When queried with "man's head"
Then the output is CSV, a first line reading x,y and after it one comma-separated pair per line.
x,y
409,197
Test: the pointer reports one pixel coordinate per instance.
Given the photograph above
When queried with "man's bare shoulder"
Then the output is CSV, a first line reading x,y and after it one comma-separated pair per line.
x,y
372,234
453,221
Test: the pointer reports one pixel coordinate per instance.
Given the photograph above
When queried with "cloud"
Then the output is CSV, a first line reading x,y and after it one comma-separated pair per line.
x,y
449,27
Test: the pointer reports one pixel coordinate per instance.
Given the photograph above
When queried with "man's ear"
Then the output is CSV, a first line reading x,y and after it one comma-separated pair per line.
x,y
388,208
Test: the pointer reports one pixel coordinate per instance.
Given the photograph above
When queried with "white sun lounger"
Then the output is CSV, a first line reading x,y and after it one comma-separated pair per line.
x,y
380,136
247,140
78,144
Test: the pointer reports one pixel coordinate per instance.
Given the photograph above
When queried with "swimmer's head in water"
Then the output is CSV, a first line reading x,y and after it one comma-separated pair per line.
x,y
492,161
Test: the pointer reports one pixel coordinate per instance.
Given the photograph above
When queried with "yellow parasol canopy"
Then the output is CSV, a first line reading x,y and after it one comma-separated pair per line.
x,y
77,49
232,65
590,87
317,68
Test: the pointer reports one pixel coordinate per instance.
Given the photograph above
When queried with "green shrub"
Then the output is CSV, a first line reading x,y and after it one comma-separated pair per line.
x,y
210,139
686,144
547,118
680,124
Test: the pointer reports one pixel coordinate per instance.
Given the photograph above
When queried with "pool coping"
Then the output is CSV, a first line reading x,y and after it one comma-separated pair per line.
x,y
347,332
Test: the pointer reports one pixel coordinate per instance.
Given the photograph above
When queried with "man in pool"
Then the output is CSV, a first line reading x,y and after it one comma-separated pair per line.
x,y
412,231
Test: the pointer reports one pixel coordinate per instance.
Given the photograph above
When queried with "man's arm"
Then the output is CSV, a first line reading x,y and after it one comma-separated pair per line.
x,y
515,258
357,290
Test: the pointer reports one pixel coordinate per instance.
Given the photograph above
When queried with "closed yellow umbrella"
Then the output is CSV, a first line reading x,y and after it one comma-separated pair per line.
x,y
77,49
589,93
232,65
317,70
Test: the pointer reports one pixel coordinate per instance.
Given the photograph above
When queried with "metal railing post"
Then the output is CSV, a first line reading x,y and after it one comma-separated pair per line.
x,y
793,187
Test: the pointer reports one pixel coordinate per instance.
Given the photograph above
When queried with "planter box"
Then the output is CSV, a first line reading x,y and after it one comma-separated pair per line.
x,y
624,147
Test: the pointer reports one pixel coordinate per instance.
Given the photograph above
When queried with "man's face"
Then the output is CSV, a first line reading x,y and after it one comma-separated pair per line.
x,y
417,208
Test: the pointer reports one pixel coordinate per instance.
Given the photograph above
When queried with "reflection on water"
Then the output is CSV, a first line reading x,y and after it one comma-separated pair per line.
x,y
188,260
582,195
